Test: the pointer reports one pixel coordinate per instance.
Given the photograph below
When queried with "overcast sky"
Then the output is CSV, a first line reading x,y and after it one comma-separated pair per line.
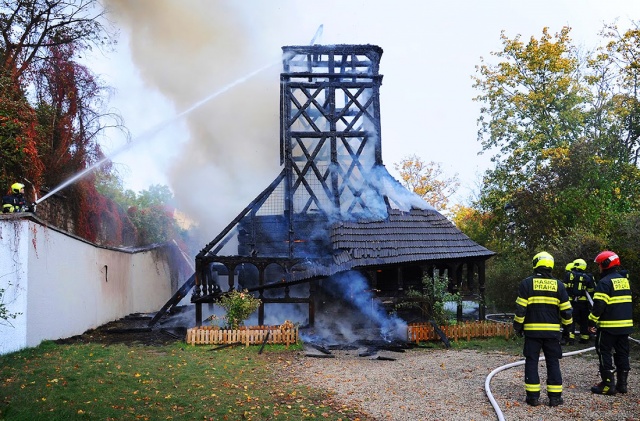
x,y
220,155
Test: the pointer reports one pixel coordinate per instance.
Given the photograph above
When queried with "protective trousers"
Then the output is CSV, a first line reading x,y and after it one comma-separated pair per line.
x,y
581,311
552,354
612,349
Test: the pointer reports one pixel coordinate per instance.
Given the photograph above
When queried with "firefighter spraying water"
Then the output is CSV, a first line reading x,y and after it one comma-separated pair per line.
x,y
16,202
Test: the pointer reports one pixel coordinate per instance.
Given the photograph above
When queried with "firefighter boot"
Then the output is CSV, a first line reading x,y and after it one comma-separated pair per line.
x,y
607,385
555,400
533,400
621,386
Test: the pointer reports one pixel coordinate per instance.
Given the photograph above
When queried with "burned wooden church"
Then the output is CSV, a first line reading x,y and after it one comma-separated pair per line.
x,y
334,207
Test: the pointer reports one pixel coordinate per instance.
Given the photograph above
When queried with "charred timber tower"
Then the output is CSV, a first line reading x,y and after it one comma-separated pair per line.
x,y
334,207
330,128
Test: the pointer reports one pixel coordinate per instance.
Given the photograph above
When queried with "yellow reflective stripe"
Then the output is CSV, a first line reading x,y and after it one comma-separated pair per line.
x,y
554,388
532,387
521,301
593,318
542,326
567,321
538,299
565,306
601,296
620,299
614,323
519,319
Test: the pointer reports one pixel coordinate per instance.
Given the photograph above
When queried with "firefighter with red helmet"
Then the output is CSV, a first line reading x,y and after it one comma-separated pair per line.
x,y
542,307
612,314
581,285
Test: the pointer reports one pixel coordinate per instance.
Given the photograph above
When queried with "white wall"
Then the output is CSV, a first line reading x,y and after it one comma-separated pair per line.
x,y
13,280
63,286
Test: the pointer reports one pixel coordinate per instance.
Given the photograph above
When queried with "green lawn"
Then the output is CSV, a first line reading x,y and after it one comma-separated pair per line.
x,y
172,382
93,381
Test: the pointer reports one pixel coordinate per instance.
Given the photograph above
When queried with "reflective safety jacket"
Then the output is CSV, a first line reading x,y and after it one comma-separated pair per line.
x,y
14,203
542,306
581,282
612,307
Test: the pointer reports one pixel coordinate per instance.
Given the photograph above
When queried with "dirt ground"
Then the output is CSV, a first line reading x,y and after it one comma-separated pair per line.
x,y
130,330
395,382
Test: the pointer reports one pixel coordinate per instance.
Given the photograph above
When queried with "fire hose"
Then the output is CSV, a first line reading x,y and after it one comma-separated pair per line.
x,y
487,381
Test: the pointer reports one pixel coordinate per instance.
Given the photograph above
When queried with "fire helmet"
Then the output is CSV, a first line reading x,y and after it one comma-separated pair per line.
x,y
543,259
580,264
606,259
568,267
16,187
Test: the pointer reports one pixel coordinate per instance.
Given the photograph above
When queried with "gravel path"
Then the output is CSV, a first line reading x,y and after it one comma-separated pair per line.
x,y
440,384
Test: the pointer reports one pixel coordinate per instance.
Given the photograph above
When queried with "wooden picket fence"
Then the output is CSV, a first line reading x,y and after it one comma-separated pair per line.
x,y
251,335
418,332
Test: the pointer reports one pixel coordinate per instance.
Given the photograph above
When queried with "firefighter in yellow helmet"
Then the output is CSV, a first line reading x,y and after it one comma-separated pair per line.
x,y
542,307
15,202
568,332
582,287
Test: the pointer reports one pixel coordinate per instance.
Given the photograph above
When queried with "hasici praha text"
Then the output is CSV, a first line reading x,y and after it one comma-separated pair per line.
x,y
545,284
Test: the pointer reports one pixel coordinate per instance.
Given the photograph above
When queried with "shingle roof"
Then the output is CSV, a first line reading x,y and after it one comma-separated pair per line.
x,y
418,235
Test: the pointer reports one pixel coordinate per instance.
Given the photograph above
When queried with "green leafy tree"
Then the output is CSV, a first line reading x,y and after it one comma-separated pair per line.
x,y
151,211
153,215
503,275
563,126
427,180
614,78
476,224
549,116
531,102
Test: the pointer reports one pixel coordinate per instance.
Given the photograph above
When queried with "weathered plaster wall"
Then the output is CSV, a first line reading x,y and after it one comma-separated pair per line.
x,y
13,280
63,286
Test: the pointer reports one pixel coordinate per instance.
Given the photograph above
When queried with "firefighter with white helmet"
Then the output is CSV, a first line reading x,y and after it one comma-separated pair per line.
x,y
542,307
612,314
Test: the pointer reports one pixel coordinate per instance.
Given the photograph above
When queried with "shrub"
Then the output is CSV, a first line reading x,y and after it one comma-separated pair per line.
x,y
431,300
239,305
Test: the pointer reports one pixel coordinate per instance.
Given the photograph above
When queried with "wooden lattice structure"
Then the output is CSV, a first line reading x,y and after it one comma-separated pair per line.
x,y
334,207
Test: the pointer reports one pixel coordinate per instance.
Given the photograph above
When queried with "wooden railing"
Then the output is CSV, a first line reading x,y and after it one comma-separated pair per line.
x,y
418,332
252,335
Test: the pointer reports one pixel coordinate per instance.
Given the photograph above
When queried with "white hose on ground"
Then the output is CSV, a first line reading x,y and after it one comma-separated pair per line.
x,y
487,388
487,381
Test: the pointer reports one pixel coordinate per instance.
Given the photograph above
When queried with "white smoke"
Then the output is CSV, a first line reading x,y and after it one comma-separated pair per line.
x,y
355,313
400,197
188,51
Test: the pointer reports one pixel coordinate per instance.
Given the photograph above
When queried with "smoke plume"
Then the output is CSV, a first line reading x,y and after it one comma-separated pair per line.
x,y
187,51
